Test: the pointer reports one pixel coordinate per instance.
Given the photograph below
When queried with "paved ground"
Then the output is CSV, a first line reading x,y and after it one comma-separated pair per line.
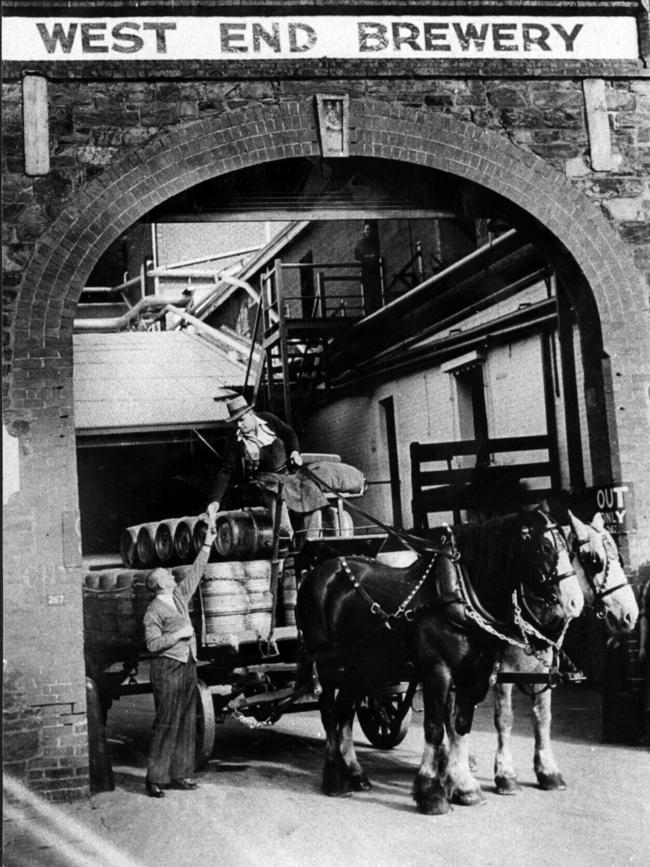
x,y
260,804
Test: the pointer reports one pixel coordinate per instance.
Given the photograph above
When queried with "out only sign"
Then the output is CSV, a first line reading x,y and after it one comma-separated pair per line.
x,y
613,501
412,38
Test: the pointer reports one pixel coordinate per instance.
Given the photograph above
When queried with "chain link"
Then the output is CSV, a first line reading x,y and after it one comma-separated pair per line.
x,y
486,627
249,721
375,608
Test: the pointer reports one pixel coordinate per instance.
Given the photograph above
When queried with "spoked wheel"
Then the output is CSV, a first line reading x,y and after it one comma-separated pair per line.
x,y
385,717
206,725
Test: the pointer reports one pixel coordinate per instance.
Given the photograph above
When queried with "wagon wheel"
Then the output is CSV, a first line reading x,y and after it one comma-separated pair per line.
x,y
206,725
385,719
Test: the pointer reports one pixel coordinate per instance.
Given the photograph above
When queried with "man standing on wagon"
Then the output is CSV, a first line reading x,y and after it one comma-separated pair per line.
x,y
169,635
270,452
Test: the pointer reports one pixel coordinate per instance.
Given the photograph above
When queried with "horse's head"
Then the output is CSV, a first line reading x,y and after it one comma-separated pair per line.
x,y
548,572
600,570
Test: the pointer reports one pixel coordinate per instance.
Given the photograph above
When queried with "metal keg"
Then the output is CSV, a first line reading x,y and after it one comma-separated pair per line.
x,y
184,539
244,534
128,545
145,547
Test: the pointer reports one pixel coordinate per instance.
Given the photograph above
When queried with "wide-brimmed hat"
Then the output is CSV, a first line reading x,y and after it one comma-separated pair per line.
x,y
237,407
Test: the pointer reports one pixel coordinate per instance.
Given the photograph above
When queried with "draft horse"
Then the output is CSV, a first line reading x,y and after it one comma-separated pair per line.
x,y
606,589
439,622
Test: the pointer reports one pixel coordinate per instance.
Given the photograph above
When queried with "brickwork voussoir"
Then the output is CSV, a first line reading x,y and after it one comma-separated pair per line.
x,y
199,149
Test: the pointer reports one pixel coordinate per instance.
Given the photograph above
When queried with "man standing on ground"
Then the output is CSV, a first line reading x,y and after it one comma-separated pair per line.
x,y
169,635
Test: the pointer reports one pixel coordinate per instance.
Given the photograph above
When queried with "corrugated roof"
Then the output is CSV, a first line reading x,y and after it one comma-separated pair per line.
x,y
151,380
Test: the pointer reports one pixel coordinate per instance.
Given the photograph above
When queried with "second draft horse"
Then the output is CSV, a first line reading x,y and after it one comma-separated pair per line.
x,y
607,590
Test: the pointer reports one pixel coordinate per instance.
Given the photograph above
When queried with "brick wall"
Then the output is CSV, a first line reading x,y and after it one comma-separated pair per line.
x,y
119,147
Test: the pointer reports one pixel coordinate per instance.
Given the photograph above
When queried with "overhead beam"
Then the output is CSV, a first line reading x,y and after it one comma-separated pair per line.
x,y
295,212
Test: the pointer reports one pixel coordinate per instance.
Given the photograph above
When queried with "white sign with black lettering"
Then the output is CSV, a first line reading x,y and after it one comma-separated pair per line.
x,y
411,38
612,502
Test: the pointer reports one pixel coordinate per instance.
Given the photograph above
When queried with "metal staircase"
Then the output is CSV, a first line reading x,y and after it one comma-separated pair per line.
x,y
300,327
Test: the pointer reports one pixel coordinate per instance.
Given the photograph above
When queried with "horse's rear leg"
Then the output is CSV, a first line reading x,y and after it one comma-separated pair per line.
x,y
547,771
505,777
336,778
462,786
346,704
428,789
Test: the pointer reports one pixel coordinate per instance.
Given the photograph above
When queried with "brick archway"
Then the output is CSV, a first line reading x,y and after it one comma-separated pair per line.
x,y
182,158
39,557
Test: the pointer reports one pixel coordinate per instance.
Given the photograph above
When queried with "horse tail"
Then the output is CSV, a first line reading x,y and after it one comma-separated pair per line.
x,y
314,626
307,674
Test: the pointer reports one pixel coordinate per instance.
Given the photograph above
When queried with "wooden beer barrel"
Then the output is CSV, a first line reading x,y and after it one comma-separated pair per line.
x,y
288,596
225,606
128,546
142,599
90,604
91,581
126,614
258,616
127,577
108,578
145,547
244,534
106,612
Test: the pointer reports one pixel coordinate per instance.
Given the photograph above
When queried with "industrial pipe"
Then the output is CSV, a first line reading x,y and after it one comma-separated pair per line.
x,y
119,323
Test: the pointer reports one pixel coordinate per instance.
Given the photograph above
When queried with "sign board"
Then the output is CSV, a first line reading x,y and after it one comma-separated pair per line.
x,y
614,503
412,38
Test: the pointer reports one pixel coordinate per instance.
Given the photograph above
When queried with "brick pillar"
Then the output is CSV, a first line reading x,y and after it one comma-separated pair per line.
x,y
43,622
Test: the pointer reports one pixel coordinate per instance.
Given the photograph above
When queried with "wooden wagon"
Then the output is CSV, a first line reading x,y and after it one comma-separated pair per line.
x,y
242,674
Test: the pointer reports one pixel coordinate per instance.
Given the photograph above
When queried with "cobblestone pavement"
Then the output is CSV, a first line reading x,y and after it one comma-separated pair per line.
x,y
259,803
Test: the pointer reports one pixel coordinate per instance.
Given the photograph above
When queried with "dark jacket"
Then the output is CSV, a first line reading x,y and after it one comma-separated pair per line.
x,y
273,458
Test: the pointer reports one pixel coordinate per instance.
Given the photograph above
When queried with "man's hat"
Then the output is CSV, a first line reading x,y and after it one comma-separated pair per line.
x,y
237,407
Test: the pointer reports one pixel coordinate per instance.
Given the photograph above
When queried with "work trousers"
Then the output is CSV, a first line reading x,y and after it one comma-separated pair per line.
x,y
271,503
171,756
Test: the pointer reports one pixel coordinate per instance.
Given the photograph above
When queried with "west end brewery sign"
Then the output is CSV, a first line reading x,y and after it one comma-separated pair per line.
x,y
338,37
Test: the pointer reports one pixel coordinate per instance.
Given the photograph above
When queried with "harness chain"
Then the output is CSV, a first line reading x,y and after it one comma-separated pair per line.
x,y
526,629
469,610
375,607
403,611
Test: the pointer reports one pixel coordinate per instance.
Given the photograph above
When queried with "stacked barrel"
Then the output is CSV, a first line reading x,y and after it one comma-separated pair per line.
x,y
233,602
114,603
244,534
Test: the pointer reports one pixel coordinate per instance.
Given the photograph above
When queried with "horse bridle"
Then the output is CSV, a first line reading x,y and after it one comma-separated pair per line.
x,y
588,561
552,576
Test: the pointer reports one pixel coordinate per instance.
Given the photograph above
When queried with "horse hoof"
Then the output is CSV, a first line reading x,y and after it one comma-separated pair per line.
x,y
507,786
430,797
342,793
335,783
433,806
361,783
470,798
551,782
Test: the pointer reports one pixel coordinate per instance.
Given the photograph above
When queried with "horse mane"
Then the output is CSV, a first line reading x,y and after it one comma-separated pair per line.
x,y
486,551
